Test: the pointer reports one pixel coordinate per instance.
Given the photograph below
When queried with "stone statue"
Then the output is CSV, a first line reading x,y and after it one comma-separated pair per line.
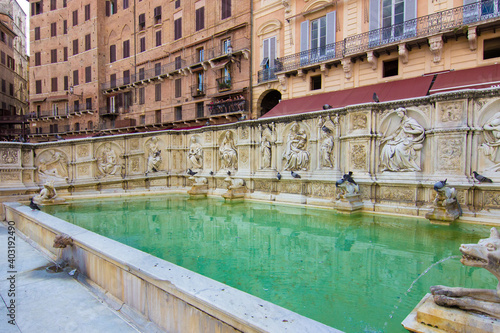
x,y
446,207
200,180
325,151
227,152
154,156
195,154
236,183
53,166
492,141
107,163
347,186
47,193
484,254
295,155
399,150
265,150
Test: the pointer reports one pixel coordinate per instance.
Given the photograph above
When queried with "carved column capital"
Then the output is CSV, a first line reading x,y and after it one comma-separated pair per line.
x,y
372,59
472,37
347,65
436,47
403,53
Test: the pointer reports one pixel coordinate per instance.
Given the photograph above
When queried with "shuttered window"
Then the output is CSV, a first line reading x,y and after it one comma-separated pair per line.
x,y
88,74
158,38
54,84
75,17
87,12
87,42
142,43
76,80
126,49
200,18
53,29
112,53
226,9
178,28
75,46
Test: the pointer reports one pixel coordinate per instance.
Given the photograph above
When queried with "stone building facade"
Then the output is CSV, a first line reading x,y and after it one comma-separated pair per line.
x,y
129,66
13,71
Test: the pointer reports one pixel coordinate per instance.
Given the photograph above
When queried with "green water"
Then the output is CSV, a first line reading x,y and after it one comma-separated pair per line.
x,y
351,273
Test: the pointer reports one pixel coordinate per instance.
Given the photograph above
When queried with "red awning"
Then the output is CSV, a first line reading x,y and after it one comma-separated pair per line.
x,y
388,91
473,78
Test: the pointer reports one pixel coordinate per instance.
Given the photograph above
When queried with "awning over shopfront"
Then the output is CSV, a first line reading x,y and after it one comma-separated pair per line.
x,y
387,91
473,78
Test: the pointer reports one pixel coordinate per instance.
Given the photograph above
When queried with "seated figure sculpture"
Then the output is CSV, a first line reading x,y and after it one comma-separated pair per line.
x,y
47,193
484,254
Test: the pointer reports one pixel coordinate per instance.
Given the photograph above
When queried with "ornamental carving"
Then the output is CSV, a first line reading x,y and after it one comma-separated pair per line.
x,y
490,147
264,186
323,190
108,162
52,164
208,136
244,133
26,155
153,155
397,193
82,150
27,177
449,154
244,156
358,156
227,152
359,121
295,154
10,176
492,198
134,165
9,156
293,188
451,111
399,149
134,144
83,170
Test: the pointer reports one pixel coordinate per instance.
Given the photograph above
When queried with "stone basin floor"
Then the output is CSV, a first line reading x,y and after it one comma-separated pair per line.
x,y
50,302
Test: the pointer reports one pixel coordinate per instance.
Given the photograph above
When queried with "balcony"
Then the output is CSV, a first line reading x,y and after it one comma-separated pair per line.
x,y
267,74
108,112
447,21
224,83
227,106
198,90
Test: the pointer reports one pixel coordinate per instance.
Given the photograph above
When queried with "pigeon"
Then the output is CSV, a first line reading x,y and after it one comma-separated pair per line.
x,y
191,172
228,173
33,205
339,182
375,98
481,178
211,173
278,176
294,174
327,106
58,137
439,185
348,177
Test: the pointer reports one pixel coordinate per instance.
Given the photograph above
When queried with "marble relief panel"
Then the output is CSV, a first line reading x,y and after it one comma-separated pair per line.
x,y
9,156
450,151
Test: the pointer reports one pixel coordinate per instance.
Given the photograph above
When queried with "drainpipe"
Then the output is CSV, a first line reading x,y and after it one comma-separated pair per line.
x,y
250,96
135,52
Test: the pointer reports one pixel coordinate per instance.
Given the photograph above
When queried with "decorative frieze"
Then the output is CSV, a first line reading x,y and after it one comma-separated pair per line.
x,y
82,151
9,156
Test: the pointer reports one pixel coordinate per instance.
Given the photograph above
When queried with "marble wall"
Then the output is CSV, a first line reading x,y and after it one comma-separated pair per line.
x,y
396,151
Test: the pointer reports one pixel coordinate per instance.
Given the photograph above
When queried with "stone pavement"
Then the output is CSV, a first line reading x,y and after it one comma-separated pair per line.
x,y
48,302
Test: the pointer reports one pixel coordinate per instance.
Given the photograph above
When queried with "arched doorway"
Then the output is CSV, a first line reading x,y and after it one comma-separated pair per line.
x,y
269,101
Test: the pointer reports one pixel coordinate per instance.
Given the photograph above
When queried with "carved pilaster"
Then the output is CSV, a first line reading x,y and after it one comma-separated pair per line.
x,y
372,59
436,47
472,37
403,53
347,65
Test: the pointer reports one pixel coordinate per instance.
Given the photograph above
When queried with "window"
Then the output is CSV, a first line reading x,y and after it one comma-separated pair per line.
x,y
491,48
75,17
269,53
178,62
36,8
111,7
142,97
2,57
76,81
87,12
54,84
177,3
112,79
200,110
37,33
53,128
126,77
157,69
178,28
157,14
65,53
88,103
112,53
316,82
38,86
65,3
53,29
142,119
87,42
158,38
390,68
178,90
126,48
38,59
11,89
200,18
53,56
141,73
66,83
393,15
90,125
127,101
76,106
142,44
75,46
142,22
65,27
226,9
88,74
316,36
53,4
201,54
158,92
178,113
200,79
158,116
77,127
125,4
4,85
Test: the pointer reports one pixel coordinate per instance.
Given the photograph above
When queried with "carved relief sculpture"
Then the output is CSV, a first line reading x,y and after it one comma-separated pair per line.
x,y
227,152
491,132
53,165
295,155
47,193
195,154
265,150
399,149
154,155
107,163
9,156
326,148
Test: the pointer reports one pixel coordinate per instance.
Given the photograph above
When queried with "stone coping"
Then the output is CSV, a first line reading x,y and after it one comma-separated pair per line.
x,y
224,303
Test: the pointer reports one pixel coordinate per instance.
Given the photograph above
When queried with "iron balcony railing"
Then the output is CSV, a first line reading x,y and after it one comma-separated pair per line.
x,y
198,90
419,27
224,83
239,105
63,112
267,74
237,46
107,111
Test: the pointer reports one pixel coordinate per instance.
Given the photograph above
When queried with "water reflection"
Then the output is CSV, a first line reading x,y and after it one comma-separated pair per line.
x,y
345,271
